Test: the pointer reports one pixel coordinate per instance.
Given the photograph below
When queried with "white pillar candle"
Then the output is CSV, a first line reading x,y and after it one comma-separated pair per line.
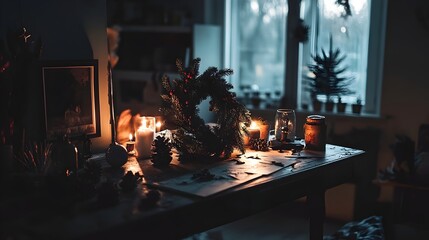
x,y
144,137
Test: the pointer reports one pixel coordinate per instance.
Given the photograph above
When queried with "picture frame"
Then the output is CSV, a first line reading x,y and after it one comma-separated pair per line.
x,y
71,100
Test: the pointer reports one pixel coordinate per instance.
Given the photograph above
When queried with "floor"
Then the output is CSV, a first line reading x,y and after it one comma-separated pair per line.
x,y
290,222
285,222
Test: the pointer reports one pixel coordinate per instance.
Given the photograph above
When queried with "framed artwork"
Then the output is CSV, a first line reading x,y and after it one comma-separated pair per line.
x,y
71,103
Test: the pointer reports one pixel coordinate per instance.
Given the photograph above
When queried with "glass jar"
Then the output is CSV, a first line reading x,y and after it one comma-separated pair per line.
x,y
315,133
285,122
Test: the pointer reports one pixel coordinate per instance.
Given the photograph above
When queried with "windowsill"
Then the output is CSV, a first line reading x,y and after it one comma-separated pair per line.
x,y
342,115
270,114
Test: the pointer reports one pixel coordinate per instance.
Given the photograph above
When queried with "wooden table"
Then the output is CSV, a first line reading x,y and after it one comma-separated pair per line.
x,y
180,214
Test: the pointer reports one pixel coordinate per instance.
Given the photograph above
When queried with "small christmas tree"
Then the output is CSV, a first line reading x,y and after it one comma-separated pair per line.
x,y
193,138
326,79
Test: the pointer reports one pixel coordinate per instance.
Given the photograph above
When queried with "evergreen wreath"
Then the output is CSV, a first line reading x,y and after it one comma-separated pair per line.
x,y
194,139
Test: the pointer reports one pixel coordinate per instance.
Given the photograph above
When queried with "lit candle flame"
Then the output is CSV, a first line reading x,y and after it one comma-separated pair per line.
x,y
253,125
131,137
158,125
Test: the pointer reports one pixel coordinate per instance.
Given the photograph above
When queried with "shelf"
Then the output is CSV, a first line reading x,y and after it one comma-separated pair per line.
x,y
156,29
138,75
131,74
150,48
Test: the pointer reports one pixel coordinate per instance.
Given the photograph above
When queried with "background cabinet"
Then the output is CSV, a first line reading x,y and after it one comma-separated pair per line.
x,y
153,48
147,53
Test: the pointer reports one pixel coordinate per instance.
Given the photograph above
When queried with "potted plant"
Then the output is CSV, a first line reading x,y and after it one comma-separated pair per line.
x,y
329,105
357,107
317,105
341,106
256,100
326,76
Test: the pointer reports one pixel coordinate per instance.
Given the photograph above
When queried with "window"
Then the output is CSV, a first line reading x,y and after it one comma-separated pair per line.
x,y
258,49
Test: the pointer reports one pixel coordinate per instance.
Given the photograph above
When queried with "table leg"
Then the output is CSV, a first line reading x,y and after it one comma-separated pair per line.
x,y
316,205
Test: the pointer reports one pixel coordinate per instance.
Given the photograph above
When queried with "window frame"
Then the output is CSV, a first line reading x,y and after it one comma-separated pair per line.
x,y
377,34
292,81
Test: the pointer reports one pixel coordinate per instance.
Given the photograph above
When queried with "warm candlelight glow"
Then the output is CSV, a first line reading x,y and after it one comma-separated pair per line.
x,y
263,127
253,125
158,126
130,137
254,133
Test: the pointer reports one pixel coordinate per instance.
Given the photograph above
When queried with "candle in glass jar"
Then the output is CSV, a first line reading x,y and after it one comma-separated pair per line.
x,y
264,131
254,133
315,133
144,137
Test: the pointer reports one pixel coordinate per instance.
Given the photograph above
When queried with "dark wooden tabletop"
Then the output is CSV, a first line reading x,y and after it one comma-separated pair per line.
x,y
179,214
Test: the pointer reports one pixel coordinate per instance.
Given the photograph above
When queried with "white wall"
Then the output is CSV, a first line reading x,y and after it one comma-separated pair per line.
x,y
69,30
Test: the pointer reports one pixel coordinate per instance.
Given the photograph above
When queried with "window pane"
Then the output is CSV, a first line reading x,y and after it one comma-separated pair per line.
x,y
350,35
258,42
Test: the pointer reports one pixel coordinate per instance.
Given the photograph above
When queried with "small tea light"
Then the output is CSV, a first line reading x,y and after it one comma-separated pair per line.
x,y
158,126
254,133
130,145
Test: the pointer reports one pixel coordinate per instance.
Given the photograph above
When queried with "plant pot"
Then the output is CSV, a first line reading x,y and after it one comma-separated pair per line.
x,y
317,105
341,107
356,108
329,106
304,106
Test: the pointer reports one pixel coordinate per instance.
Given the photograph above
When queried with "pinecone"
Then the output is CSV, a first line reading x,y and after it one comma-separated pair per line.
x,y
259,144
161,151
129,181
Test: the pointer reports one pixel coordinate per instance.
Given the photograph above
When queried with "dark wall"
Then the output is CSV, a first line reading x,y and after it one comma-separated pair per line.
x,y
69,30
